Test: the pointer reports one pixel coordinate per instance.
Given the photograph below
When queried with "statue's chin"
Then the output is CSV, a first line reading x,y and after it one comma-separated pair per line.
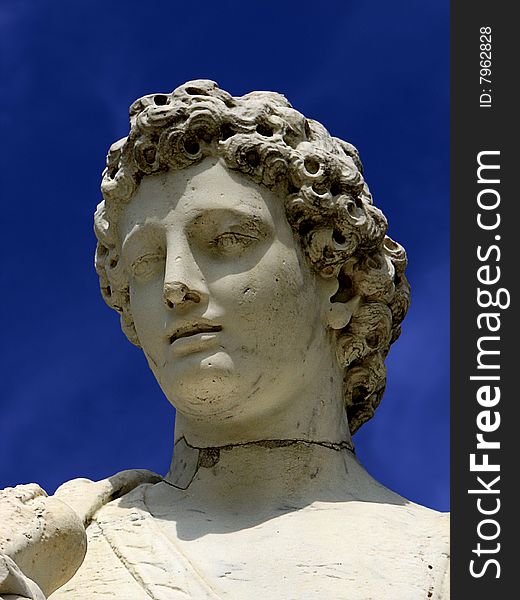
x,y
204,385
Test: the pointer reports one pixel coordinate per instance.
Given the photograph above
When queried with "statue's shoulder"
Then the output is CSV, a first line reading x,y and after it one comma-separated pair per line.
x,y
432,546
435,524
421,526
439,536
411,542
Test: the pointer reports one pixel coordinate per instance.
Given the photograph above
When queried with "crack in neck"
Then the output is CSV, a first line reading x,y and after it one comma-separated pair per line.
x,y
210,456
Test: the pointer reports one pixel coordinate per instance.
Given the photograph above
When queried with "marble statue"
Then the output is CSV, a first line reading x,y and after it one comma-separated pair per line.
x,y
240,245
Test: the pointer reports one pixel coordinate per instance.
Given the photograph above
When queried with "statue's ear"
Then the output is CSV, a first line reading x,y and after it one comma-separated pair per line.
x,y
339,314
342,304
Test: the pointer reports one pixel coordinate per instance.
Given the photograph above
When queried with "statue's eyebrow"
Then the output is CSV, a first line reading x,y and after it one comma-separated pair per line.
x,y
219,216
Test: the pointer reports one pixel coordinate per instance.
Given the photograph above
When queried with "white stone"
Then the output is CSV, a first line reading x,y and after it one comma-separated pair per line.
x,y
240,245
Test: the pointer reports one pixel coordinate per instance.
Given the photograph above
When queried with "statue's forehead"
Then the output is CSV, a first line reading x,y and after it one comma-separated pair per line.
x,y
205,188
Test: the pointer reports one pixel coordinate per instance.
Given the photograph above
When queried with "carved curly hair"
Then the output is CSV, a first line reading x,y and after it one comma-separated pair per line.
x,y
327,204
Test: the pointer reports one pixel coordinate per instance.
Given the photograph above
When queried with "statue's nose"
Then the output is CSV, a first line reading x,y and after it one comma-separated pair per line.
x,y
177,293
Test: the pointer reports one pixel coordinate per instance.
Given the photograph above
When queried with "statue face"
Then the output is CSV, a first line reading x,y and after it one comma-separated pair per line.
x,y
225,306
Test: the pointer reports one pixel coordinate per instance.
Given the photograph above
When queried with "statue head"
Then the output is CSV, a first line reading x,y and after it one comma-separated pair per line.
x,y
318,182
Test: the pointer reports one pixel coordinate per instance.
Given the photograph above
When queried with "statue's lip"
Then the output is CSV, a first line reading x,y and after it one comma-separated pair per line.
x,y
189,328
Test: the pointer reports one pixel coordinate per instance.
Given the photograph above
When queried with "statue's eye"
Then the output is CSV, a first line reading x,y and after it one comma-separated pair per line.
x,y
232,240
147,265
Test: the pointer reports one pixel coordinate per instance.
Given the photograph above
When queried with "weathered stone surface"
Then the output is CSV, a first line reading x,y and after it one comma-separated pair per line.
x,y
242,249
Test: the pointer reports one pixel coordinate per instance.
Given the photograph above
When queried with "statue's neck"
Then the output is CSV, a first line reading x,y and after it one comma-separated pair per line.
x,y
265,472
302,449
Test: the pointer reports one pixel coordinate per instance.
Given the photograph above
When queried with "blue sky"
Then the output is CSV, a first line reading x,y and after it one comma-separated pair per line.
x,y
374,73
